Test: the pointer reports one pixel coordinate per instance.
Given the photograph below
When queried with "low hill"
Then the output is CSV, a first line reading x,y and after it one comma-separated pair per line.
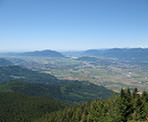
x,y
8,73
70,92
15,107
4,62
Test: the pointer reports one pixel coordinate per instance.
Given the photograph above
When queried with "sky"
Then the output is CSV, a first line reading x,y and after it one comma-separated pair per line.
x,y
73,24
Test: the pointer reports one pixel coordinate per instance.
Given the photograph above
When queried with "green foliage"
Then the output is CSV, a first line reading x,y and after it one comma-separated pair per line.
x,y
8,73
15,107
126,107
71,92
78,91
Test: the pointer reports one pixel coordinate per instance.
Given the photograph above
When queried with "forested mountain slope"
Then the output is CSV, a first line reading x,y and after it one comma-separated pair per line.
x,y
15,107
8,73
70,92
127,107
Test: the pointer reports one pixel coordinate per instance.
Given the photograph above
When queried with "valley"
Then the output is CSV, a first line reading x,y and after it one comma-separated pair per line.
x,y
113,73
72,88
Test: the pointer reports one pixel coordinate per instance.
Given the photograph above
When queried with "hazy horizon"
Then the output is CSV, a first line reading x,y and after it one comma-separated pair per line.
x,y
32,50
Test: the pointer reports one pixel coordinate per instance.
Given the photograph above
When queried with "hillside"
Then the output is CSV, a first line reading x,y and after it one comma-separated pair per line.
x,y
15,107
112,73
70,92
44,53
109,72
8,73
127,107
120,53
4,62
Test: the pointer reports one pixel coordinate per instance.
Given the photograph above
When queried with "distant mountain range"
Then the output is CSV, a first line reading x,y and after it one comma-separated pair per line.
x,y
120,53
44,53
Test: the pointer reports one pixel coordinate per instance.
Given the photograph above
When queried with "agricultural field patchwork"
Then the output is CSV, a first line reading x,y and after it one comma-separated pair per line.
x,y
109,72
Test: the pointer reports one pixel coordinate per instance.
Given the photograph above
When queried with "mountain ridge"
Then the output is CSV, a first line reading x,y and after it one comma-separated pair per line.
x,y
120,53
42,53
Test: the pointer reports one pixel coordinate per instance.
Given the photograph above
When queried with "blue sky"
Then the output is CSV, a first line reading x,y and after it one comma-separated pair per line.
x,y
72,24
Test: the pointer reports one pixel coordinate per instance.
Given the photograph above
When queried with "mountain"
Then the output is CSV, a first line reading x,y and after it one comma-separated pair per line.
x,y
70,92
44,53
73,53
4,62
8,73
120,53
15,107
94,52
127,107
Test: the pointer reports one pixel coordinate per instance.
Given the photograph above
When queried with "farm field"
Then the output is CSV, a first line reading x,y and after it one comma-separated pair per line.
x,y
111,73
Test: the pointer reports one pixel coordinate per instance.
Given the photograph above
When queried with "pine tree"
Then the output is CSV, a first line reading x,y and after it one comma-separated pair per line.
x,y
135,93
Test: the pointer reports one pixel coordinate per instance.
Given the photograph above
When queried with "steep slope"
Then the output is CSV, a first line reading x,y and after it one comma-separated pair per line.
x,y
124,108
15,107
15,72
70,92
